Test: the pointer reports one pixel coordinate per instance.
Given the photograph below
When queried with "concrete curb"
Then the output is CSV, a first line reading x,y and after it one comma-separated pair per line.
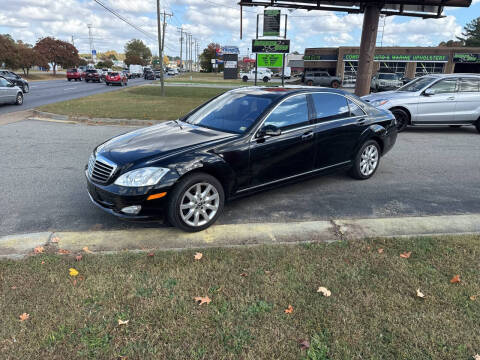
x,y
46,116
18,246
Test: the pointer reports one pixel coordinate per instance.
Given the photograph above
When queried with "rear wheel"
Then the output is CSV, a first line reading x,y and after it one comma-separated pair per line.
x,y
335,84
245,79
477,125
310,83
196,202
401,118
19,99
69,79
367,160
265,79
86,80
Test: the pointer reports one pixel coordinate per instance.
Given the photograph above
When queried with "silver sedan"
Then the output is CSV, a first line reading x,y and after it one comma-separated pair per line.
x,y
9,93
443,99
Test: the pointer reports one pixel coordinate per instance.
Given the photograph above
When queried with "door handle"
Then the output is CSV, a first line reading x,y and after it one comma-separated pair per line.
x,y
361,121
307,135
451,98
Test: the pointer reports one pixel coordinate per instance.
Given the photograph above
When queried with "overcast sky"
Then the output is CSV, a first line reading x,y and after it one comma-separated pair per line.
x,y
209,20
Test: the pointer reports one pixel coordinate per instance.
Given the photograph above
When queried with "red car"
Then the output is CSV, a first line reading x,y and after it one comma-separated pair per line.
x,y
75,74
116,78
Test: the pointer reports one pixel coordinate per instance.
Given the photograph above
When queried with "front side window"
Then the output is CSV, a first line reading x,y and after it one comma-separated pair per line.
x,y
230,112
3,82
330,106
290,114
444,86
469,85
417,84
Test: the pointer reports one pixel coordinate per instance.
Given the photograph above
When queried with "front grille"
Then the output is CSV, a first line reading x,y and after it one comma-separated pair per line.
x,y
99,169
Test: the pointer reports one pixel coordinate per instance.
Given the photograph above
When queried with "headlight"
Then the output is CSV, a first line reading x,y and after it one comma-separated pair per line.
x,y
377,103
142,177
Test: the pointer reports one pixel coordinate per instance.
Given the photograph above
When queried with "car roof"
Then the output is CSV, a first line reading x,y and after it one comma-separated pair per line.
x,y
280,92
441,76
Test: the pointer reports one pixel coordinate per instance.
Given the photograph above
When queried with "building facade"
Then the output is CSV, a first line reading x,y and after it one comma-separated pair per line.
x,y
409,61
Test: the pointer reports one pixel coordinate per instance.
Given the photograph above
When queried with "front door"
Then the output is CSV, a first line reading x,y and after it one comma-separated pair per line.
x,y
468,100
274,158
439,107
3,90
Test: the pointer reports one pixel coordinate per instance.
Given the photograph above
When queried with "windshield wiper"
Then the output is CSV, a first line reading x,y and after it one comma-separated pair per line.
x,y
178,123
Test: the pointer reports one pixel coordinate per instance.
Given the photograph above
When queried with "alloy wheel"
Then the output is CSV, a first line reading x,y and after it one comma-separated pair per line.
x,y
369,160
199,204
19,99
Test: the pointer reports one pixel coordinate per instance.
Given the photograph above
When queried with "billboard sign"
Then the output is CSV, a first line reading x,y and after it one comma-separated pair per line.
x,y
271,23
270,60
231,50
466,58
271,46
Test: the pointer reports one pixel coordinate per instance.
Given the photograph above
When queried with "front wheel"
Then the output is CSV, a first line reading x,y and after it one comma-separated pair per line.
x,y
401,119
245,79
477,125
310,83
265,79
366,162
196,202
19,99
335,84
25,88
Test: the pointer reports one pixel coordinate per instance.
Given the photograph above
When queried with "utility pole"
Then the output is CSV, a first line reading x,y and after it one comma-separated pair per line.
x,y
160,49
90,40
181,45
73,41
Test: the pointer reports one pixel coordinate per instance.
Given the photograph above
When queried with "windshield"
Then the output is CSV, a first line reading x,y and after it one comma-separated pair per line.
x,y
230,112
417,84
387,76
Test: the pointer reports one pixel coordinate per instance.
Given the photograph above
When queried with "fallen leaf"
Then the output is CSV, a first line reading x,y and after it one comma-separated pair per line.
x,y
13,287
202,300
304,344
244,274
86,250
406,255
74,282
123,322
198,256
38,250
55,239
78,257
24,316
474,297
151,254
380,251
73,272
368,248
324,291
455,279
476,357
63,251
43,262
267,272
420,294
289,309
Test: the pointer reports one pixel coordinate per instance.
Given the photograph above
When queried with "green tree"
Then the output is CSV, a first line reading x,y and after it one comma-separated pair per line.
x,y
137,49
206,57
471,34
135,60
452,43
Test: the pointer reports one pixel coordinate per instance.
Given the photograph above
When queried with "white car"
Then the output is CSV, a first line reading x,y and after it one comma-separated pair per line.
x,y
437,99
262,75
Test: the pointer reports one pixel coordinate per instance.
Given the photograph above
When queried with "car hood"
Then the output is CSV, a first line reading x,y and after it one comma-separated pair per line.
x,y
389,95
157,142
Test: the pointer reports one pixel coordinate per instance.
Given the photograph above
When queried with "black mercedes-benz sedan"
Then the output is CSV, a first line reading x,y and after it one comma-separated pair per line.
x,y
240,142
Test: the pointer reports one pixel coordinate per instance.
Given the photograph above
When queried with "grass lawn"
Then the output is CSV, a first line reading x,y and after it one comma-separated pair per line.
x,y
373,311
42,75
142,102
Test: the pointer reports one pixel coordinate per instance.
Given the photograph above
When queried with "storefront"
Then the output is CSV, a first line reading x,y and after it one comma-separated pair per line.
x,y
411,62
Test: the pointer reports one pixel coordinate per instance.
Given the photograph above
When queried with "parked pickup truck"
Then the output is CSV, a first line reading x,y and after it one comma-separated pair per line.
x,y
75,74
263,75
321,78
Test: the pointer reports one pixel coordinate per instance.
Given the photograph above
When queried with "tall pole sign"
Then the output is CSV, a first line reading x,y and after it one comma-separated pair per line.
x,y
271,23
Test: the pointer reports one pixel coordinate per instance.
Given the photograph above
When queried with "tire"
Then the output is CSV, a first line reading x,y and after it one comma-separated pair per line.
x,y
310,83
402,119
184,219
245,79
366,161
335,84
25,88
69,79
86,80
107,83
265,79
477,125
19,99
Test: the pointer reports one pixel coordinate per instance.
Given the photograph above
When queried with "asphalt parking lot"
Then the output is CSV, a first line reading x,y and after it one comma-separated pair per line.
x,y
430,171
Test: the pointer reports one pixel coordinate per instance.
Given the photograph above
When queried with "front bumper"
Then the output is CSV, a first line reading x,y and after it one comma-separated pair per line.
x,y
113,198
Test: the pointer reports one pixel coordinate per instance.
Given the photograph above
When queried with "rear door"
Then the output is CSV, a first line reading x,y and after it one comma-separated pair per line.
x,y
273,158
340,122
440,107
467,105
3,90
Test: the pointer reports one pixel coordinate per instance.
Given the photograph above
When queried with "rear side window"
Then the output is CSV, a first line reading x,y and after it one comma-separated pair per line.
x,y
330,106
355,110
290,114
469,85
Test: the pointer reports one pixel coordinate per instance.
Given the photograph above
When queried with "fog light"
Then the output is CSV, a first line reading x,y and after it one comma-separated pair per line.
x,y
132,210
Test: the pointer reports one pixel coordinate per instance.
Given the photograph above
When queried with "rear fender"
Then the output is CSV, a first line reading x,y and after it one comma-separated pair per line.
x,y
373,132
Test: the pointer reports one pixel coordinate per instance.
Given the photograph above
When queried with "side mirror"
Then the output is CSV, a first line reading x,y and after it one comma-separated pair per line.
x,y
269,130
10,84
429,92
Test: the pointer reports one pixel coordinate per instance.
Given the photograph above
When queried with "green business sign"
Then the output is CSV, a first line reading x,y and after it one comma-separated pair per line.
x,y
466,58
270,46
401,58
271,22
270,60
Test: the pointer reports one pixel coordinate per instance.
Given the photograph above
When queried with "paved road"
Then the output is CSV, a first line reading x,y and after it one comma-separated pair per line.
x,y
51,91
429,172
